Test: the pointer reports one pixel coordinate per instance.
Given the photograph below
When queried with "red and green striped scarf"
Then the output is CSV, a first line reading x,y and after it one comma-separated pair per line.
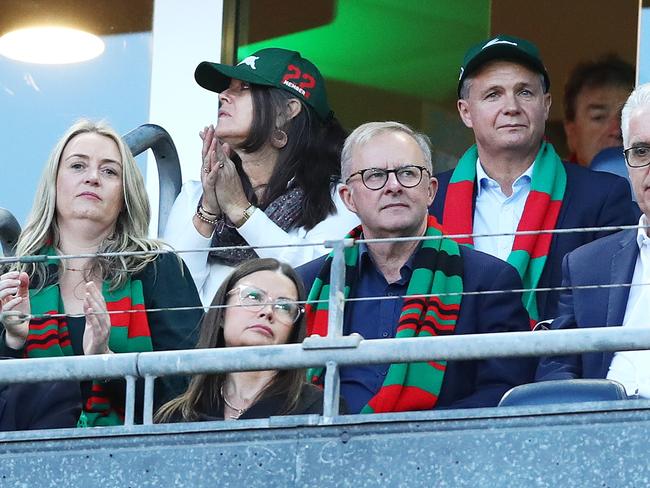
x,y
541,210
437,270
48,337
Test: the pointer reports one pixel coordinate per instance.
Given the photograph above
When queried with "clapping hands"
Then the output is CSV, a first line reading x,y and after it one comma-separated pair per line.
x,y
98,323
14,299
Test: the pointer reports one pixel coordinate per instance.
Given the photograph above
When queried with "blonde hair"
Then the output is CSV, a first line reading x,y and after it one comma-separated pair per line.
x,y
131,227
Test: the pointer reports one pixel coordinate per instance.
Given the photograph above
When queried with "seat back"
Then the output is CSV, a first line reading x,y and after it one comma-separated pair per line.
x,y
9,232
154,137
564,391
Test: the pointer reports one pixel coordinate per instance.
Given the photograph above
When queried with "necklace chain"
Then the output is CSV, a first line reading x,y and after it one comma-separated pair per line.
x,y
240,411
68,268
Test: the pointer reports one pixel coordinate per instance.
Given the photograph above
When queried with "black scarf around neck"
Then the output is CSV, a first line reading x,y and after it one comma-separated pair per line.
x,y
284,211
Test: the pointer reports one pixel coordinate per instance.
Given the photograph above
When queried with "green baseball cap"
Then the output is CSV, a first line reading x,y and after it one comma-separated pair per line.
x,y
502,47
279,68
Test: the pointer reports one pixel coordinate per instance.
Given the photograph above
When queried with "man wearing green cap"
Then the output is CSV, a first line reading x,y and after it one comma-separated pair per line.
x,y
512,180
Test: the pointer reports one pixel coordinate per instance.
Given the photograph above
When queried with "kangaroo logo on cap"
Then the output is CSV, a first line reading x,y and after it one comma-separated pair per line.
x,y
498,41
249,61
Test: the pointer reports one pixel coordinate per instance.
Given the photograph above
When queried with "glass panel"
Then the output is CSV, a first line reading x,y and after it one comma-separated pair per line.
x,y
382,60
390,59
39,102
568,33
643,72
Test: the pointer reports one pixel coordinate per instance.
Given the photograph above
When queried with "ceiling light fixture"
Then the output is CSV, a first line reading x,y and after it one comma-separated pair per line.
x,y
50,45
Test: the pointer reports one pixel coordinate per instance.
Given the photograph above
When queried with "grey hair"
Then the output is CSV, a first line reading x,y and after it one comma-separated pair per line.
x,y
467,82
639,98
464,88
365,132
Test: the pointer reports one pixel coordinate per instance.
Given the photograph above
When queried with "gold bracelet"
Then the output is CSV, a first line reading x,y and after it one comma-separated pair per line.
x,y
247,215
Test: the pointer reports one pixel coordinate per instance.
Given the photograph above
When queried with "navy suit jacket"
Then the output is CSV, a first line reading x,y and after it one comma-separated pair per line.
x,y
46,405
591,199
482,383
606,261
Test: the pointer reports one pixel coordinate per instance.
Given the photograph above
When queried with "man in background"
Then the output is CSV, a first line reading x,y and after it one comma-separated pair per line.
x,y
593,98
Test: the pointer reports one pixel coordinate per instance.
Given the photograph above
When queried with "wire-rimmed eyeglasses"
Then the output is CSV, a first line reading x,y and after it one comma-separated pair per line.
x,y
375,178
637,156
253,298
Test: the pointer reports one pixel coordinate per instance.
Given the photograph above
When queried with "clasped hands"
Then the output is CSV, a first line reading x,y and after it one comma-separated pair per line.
x,y
222,187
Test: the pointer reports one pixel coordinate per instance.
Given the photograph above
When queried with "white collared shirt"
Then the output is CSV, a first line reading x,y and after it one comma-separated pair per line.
x,y
632,368
497,213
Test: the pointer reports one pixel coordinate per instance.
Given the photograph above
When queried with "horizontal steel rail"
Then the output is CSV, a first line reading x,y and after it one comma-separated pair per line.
x,y
327,243
320,351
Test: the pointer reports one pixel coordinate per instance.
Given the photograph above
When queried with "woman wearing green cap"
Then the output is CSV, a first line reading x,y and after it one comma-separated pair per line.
x,y
269,171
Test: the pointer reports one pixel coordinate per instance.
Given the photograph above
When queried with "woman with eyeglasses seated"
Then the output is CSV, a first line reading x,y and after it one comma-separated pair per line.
x,y
269,169
255,306
92,200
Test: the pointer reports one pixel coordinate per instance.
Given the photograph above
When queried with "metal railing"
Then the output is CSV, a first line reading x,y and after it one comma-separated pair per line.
x,y
330,352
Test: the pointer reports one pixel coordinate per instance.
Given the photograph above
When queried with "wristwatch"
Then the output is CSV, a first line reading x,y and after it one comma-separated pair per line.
x,y
247,215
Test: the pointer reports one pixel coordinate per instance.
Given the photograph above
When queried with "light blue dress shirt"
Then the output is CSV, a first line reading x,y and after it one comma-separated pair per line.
x,y
496,213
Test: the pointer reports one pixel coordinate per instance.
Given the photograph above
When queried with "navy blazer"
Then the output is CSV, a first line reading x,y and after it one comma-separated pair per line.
x,y
46,405
609,260
481,383
591,199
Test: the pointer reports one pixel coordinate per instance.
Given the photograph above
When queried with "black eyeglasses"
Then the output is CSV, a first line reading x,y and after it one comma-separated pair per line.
x,y
375,178
253,298
637,156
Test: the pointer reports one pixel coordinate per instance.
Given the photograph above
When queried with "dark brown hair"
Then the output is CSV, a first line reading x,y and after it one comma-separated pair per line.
x,y
203,393
607,71
311,157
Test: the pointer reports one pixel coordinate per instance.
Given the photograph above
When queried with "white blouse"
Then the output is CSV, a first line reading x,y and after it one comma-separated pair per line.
x,y
258,230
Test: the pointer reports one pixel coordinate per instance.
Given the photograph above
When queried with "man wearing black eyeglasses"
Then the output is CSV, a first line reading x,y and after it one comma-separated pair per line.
x,y
408,288
512,180
621,260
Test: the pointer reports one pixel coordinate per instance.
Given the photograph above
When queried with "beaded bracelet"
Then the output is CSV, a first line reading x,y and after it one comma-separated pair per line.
x,y
204,218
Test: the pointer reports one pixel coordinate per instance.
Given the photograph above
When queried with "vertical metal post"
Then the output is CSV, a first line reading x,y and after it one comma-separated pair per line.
x,y
331,393
337,283
335,311
147,415
129,402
